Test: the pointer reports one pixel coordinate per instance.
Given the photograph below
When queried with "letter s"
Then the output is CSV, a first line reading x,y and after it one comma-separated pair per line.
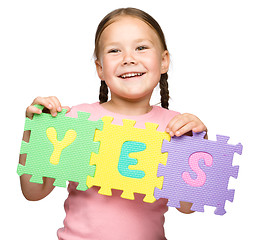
x,y
194,164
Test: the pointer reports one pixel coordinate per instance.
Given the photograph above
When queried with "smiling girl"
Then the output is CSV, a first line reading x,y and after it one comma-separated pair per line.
x,y
131,59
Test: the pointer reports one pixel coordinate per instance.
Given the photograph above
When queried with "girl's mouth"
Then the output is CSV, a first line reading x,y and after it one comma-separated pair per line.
x,y
131,75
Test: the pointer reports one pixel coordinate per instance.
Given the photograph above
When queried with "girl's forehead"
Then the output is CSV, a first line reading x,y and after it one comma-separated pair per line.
x,y
122,25
119,21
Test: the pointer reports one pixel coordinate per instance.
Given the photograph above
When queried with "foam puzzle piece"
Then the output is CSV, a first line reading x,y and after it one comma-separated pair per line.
x,y
66,159
134,160
128,159
198,171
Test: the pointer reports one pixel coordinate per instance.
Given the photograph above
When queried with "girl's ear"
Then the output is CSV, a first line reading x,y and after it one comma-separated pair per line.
x,y
99,69
165,62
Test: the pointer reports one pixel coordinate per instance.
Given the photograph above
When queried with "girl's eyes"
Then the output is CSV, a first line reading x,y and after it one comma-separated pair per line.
x,y
140,48
113,51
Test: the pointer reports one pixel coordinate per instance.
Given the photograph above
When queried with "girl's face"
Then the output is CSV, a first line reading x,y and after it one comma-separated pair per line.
x,y
131,58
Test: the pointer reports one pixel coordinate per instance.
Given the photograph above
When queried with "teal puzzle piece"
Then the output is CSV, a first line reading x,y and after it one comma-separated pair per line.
x,y
60,147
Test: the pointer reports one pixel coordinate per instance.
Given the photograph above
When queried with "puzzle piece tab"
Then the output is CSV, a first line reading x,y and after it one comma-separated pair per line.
x,y
198,171
128,159
60,147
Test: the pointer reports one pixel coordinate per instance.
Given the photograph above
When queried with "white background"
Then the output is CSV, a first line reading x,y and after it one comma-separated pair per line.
x,y
46,48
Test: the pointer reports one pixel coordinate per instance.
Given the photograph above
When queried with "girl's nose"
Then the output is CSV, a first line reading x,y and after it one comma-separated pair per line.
x,y
129,59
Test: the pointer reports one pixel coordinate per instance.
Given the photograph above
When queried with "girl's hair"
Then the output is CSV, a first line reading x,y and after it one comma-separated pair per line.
x,y
134,12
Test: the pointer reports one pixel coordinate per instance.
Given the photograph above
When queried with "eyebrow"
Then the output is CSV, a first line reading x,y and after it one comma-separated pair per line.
x,y
136,41
142,40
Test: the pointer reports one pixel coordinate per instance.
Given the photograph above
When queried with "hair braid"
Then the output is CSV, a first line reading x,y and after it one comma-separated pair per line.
x,y
103,92
164,92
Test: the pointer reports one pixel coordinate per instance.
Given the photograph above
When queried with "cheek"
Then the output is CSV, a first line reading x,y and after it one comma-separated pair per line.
x,y
153,62
106,68
109,65
155,70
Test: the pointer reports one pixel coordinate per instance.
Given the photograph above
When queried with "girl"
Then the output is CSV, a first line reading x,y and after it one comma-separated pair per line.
x,y
131,59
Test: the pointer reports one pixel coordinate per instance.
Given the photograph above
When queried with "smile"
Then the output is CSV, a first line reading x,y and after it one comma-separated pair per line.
x,y
129,75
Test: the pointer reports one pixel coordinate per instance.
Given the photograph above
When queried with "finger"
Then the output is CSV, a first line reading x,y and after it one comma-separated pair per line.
x,y
57,103
200,128
31,110
178,124
185,129
171,124
51,103
67,108
46,102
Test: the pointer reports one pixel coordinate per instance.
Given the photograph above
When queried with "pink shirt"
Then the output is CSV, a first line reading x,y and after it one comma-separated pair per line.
x,y
90,215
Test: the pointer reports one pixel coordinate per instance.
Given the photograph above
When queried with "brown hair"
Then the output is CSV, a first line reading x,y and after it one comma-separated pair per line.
x,y
134,12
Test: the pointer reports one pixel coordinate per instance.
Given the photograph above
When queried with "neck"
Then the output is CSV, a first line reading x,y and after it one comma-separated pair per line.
x,y
128,106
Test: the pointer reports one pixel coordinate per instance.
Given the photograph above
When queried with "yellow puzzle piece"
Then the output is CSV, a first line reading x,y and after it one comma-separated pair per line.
x,y
128,159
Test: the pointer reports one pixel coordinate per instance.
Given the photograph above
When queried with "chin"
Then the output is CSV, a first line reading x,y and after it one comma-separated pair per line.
x,y
135,96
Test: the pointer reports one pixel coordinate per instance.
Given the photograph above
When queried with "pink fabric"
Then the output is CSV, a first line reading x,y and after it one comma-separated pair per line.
x,y
90,215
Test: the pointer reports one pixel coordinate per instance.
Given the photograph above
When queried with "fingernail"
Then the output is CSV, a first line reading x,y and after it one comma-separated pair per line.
x,y
59,109
50,106
167,130
171,134
177,133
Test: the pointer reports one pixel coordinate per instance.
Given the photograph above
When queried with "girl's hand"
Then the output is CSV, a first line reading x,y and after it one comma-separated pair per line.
x,y
51,104
184,123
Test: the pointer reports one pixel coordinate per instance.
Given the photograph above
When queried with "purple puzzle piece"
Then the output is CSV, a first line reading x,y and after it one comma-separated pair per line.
x,y
198,171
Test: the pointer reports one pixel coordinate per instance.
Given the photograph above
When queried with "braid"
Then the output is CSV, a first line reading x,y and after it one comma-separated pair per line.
x,y
103,92
164,92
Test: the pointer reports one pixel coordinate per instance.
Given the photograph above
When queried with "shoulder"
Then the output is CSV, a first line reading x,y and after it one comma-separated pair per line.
x,y
162,116
164,113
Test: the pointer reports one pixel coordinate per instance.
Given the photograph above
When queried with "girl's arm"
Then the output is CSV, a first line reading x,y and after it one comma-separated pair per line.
x,y
184,124
185,207
36,191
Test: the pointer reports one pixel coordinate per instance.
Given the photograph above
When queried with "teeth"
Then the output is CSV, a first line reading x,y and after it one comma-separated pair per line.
x,y
131,75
